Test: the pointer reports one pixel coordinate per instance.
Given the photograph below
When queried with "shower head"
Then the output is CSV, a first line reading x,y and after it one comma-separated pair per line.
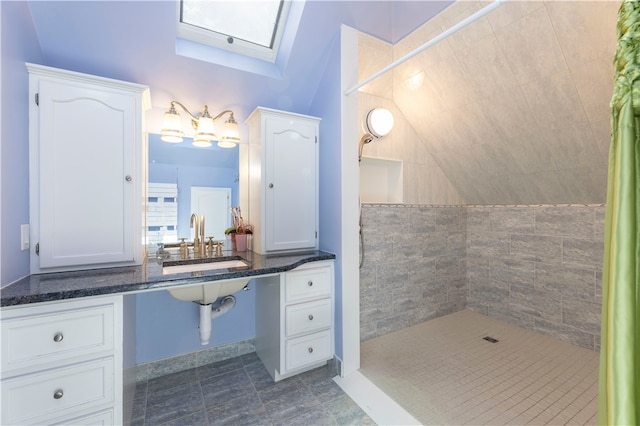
x,y
366,138
378,123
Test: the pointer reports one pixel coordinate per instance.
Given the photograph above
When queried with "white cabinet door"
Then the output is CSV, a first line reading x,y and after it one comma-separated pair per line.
x,y
86,171
86,176
290,174
281,183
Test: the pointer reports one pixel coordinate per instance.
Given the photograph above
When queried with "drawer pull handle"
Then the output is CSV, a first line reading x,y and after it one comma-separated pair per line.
x,y
310,317
58,394
310,349
310,283
58,337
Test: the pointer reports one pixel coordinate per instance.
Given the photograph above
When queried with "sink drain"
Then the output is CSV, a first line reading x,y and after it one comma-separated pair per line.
x,y
490,339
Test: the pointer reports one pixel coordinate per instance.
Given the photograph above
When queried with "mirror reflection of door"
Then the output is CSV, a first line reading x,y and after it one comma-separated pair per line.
x,y
215,205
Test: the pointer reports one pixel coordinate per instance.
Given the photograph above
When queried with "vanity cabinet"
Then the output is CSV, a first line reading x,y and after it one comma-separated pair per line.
x,y
62,362
281,184
294,319
86,170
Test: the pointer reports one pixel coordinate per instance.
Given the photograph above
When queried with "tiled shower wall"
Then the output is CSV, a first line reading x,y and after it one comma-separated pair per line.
x,y
538,267
414,266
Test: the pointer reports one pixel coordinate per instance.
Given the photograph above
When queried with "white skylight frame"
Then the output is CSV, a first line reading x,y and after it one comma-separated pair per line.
x,y
238,46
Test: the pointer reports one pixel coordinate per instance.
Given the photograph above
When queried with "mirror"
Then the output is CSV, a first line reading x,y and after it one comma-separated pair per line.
x,y
184,179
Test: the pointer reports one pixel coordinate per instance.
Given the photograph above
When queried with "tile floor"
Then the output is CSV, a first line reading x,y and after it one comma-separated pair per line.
x,y
239,391
442,372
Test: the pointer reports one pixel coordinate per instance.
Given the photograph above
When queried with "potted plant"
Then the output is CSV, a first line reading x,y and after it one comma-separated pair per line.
x,y
239,231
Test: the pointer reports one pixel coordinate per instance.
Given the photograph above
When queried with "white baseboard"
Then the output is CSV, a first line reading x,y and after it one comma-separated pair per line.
x,y
378,405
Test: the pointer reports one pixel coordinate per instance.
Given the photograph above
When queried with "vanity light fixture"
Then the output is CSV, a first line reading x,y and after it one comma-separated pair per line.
x,y
229,136
203,123
377,123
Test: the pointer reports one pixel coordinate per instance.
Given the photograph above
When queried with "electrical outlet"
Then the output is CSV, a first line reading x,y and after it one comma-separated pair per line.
x,y
24,237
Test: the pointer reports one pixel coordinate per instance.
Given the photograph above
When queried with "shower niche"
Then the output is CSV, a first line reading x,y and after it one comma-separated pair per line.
x,y
381,180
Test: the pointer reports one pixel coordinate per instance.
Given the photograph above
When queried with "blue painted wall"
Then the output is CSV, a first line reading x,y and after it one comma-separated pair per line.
x,y
326,104
19,44
167,327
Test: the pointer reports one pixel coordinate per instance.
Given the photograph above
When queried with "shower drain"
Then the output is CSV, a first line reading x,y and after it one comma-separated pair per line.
x,y
490,339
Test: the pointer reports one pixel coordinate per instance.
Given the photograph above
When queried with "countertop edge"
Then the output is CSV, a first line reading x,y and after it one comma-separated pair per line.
x,y
10,301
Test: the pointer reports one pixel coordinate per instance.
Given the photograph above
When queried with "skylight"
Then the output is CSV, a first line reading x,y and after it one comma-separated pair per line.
x,y
247,27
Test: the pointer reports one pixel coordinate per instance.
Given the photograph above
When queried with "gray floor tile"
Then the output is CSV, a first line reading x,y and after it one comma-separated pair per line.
x,y
347,412
197,418
237,419
281,406
139,408
173,403
250,358
172,380
217,368
259,375
283,387
225,387
315,416
240,392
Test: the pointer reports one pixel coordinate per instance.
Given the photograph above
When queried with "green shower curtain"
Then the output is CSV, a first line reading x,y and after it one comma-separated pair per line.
x,y
619,387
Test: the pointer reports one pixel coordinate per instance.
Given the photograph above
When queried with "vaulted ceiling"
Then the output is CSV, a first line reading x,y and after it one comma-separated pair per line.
x,y
135,41
514,108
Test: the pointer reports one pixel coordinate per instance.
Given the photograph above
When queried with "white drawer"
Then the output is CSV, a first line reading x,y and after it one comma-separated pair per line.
x,y
103,418
307,317
33,340
307,284
307,350
38,397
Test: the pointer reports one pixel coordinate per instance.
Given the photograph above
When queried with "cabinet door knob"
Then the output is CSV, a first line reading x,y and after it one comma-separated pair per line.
x,y
128,178
310,317
270,185
310,283
58,337
310,349
58,394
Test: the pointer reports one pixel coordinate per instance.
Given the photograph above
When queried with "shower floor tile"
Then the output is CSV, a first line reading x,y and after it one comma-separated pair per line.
x,y
443,372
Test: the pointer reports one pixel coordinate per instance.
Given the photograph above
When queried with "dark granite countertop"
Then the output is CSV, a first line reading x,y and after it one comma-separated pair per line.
x,y
94,282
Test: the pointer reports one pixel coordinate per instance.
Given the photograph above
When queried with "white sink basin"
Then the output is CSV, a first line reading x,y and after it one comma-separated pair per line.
x,y
206,293
204,266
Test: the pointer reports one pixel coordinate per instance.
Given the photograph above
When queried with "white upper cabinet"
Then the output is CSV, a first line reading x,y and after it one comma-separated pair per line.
x,y
86,170
282,180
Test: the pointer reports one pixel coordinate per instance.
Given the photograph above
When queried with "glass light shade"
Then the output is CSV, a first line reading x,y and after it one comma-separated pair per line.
x,y
201,142
226,144
172,128
206,128
230,135
379,122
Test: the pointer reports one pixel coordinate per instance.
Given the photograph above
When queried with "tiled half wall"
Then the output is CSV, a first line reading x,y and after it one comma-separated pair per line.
x,y
538,267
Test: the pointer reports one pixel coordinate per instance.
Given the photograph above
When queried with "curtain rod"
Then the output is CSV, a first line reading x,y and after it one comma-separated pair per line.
x,y
479,14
